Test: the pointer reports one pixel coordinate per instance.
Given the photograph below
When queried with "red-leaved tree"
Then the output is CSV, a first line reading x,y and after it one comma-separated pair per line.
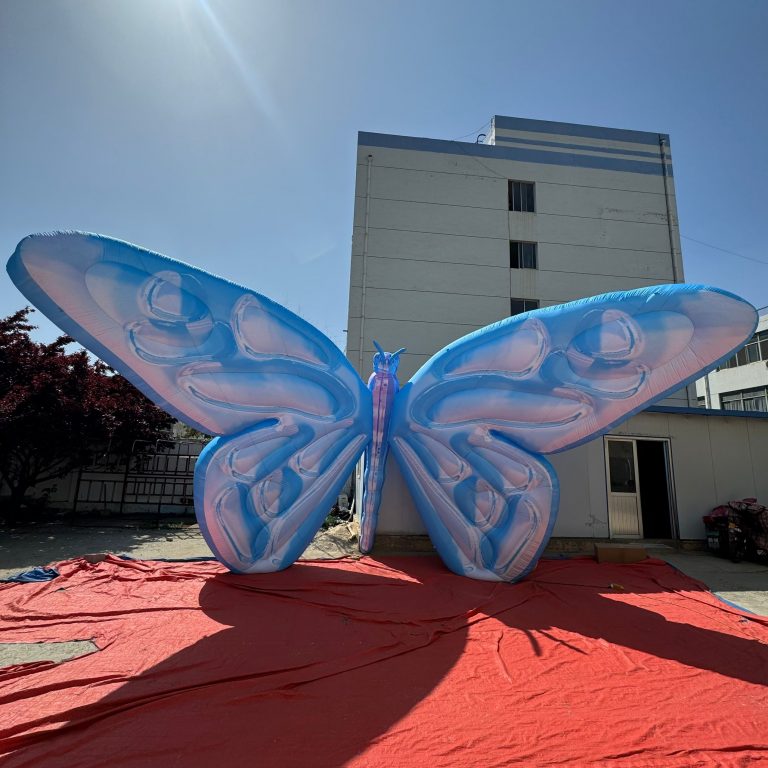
x,y
56,407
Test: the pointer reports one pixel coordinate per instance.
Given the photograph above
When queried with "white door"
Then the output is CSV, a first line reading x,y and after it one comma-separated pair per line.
x,y
624,513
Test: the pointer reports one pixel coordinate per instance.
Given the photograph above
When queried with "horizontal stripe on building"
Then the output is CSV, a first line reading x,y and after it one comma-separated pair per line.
x,y
575,129
517,154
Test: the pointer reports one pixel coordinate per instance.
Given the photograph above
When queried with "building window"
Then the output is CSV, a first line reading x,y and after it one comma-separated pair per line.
x,y
522,255
521,196
747,400
517,306
755,350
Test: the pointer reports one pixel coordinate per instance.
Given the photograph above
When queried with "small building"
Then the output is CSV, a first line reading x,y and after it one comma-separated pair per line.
x,y
740,383
451,236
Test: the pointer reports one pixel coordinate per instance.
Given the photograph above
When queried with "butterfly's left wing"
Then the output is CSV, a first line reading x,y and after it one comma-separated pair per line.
x,y
292,413
469,428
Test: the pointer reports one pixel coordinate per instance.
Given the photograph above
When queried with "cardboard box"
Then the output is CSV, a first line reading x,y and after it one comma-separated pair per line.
x,y
619,553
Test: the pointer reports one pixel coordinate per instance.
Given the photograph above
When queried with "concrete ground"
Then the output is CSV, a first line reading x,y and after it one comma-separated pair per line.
x,y
745,584
25,548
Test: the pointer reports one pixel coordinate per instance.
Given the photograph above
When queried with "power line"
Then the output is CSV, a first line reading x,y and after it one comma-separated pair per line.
x,y
473,133
724,250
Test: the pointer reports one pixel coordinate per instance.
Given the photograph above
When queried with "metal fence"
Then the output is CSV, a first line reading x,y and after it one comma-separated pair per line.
x,y
155,478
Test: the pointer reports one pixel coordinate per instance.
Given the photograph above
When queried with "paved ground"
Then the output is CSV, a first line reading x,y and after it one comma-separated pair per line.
x,y
745,584
24,548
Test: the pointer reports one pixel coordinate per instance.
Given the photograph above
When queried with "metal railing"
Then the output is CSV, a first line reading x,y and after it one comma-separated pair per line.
x,y
154,478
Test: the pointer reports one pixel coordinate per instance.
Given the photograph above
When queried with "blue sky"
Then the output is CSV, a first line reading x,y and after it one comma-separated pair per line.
x,y
223,132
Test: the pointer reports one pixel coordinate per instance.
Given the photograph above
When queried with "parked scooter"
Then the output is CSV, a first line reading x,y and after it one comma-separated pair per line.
x,y
738,530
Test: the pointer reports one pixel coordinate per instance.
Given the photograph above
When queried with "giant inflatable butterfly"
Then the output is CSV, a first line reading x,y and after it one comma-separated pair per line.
x,y
292,416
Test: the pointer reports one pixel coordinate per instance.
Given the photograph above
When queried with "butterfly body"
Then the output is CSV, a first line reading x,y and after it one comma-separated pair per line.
x,y
291,416
384,386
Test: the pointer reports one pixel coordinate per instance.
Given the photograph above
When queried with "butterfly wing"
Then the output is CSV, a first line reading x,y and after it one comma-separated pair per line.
x,y
468,428
227,361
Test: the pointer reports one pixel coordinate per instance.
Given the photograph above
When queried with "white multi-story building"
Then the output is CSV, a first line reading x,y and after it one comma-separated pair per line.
x,y
740,383
451,236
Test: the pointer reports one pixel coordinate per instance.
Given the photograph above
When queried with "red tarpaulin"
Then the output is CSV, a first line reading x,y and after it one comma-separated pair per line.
x,y
392,662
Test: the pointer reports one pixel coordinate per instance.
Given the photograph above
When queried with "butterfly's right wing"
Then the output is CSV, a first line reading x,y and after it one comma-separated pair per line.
x,y
469,428
294,414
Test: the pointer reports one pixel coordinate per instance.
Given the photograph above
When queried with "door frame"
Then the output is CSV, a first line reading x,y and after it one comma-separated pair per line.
x,y
671,487
635,495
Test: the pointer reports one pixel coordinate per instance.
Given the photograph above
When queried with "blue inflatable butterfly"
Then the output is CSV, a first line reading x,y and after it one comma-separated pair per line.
x,y
292,416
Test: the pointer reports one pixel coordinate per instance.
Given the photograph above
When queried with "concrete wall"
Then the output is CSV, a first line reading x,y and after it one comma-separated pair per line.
x,y
158,480
583,492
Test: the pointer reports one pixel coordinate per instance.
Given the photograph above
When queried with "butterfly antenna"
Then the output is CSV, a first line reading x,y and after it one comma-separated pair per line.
x,y
378,346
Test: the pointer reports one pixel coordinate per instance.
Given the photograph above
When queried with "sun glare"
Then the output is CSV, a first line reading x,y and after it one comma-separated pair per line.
x,y
204,27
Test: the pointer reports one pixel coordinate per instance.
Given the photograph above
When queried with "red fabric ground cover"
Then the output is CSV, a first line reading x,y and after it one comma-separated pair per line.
x,y
392,662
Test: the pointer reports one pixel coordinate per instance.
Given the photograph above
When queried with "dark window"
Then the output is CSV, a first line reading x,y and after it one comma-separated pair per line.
x,y
522,255
517,306
621,462
762,339
521,196
747,400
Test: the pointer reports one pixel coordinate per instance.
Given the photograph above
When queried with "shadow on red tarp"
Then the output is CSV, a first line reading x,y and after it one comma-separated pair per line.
x,y
392,662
